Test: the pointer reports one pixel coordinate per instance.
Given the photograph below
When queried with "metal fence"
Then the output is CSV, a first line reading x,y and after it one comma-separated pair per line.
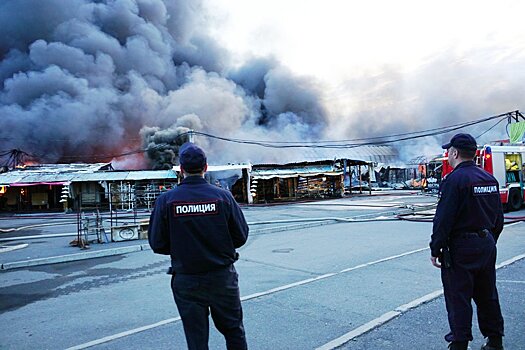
x,y
119,213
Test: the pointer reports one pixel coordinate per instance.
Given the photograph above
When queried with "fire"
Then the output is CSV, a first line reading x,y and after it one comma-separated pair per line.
x,y
26,164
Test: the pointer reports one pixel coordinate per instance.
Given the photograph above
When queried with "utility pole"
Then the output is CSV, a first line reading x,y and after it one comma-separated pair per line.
x,y
190,136
16,158
516,115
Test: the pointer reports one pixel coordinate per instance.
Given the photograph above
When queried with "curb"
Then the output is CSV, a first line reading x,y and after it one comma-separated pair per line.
x,y
398,311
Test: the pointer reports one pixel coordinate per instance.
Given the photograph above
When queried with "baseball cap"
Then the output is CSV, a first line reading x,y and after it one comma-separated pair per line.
x,y
462,141
192,158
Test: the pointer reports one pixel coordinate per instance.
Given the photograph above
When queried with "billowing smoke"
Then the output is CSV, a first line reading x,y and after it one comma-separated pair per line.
x,y
93,80
162,145
449,89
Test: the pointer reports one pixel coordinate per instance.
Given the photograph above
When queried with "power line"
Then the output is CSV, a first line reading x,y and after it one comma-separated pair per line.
x,y
381,140
333,144
492,127
506,115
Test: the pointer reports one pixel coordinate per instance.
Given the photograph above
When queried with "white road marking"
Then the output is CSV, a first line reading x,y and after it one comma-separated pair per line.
x,y
9,248
511,281
514,223
384,318
334,343
245,298
123,334
384,259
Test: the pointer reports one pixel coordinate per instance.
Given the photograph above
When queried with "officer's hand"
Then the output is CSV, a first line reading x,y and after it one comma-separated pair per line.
x,y
435,262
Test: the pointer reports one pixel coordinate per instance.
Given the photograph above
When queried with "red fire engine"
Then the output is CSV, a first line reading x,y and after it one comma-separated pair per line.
x,y
507,164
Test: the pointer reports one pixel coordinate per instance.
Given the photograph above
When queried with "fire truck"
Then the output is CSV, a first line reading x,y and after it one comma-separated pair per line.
x,y
506,162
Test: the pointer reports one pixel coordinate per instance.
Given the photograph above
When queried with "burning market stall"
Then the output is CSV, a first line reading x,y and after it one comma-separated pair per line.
x,y
82,187
321,179
113,206
44,186
274,182
424,173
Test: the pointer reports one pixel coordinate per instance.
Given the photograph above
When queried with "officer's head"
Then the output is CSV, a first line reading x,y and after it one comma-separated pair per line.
x,y
460,148
192,159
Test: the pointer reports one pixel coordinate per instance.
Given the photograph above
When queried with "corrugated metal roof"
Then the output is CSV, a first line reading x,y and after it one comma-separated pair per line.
x,y
50,173
34,176
94,172
384,154
64,168
303,171
129,175
8,178
151,175
212,168
102,176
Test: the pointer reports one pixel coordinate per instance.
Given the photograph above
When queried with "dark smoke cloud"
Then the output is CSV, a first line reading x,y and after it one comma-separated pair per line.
x,y
25,21
86,80
296,98
251,75
162,145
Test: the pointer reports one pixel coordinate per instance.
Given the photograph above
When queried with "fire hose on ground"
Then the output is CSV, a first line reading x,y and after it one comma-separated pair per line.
x,y
429,218
415,215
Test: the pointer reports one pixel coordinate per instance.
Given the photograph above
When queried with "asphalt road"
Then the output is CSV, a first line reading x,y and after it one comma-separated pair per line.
x,y
354,285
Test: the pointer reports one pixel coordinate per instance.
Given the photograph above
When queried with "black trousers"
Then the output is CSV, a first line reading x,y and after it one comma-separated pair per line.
x,y
216,293
472,276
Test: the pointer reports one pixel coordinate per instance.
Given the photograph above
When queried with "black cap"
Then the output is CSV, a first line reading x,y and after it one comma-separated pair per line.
x,y
192,158
462,141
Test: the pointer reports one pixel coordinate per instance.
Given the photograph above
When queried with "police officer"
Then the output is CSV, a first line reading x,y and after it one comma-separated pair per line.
x,y
467,224
200,226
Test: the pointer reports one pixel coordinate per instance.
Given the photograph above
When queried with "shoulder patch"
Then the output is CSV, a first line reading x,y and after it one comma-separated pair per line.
x,y
480,190
200,208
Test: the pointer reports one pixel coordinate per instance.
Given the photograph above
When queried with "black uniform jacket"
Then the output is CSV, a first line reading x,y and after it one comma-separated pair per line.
x,y
469,202
199,225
